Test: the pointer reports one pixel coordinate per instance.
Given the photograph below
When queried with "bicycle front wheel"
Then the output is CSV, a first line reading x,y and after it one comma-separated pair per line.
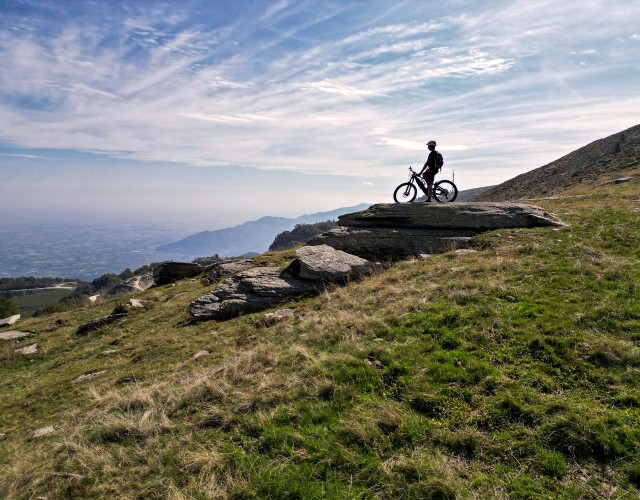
x,y
405,192
445,191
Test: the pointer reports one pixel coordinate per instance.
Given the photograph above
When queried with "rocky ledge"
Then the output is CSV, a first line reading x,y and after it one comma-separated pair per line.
x,y
396,231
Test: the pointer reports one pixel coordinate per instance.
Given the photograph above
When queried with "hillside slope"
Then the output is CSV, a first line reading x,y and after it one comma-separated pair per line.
x,y
512,372
616,153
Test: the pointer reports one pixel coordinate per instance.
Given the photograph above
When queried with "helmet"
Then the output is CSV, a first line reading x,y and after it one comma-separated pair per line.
x,y
431,143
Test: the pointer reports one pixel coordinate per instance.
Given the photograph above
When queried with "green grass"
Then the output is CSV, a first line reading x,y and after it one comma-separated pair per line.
x,y
509,373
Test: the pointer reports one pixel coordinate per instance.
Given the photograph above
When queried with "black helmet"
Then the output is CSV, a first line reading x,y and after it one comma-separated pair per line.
x,y
431,143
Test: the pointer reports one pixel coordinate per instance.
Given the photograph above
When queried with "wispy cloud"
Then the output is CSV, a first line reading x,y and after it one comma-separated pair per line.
x,y
291,84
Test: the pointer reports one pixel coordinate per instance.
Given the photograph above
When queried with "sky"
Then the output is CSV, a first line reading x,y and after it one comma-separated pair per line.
x,y
211,113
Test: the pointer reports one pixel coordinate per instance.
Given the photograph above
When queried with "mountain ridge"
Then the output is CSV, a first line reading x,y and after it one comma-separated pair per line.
x,y
615,153
251,236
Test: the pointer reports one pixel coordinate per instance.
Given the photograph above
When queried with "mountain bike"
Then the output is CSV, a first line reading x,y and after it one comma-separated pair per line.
x,y
442,190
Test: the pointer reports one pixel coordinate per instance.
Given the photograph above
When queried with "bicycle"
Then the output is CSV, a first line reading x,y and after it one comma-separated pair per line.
x,y
443,190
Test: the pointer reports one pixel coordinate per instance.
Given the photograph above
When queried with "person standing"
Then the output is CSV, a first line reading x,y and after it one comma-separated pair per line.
x,y
430,168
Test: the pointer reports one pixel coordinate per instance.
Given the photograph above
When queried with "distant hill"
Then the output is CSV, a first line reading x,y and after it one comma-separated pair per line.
x,y
253,236
616,153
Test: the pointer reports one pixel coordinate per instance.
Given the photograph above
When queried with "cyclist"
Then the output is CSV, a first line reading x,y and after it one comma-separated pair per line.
x,y
430,169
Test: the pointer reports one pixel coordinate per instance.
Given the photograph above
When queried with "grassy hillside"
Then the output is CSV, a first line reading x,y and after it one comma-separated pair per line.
x,y
614,154
513,372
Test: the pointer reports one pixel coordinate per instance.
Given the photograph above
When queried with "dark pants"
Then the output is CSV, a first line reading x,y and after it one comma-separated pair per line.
x,y
429,175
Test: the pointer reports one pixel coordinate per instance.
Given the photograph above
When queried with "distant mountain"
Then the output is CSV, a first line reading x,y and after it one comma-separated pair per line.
x,y
616,153
300,234
252,236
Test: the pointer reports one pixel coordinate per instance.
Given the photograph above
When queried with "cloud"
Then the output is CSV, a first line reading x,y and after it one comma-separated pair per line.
x,y
292,88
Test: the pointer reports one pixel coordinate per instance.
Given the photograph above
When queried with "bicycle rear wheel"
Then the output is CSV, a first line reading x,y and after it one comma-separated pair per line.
x,y
405,192
445,191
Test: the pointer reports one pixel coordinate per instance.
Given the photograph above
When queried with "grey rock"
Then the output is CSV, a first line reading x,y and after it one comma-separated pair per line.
x,y
136,304
249,291
400,230
14,335
170,272
324,263
43,431
98,323
108,352
386,243
465,251
11,320
472,216
89,376
29,350
228,267
280,314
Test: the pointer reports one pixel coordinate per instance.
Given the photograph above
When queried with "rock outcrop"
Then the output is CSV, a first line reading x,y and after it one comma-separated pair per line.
x,y
396,231
259,288
249,291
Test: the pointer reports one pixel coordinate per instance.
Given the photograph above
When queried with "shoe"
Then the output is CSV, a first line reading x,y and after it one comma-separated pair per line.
x,y
428,200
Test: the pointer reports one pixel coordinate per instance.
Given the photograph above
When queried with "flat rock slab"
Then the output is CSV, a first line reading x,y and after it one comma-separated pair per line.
x,y
400,230
14,335
383,243
473,216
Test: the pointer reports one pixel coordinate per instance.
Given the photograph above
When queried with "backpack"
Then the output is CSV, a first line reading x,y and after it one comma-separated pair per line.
x,y
439,161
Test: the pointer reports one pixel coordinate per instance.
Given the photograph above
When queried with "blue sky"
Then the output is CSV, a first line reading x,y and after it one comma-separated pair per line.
x,y
210,113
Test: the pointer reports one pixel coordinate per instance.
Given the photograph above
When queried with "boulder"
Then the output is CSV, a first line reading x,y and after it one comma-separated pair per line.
x,y
324,263
249,291
221,270
400,230
170,272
